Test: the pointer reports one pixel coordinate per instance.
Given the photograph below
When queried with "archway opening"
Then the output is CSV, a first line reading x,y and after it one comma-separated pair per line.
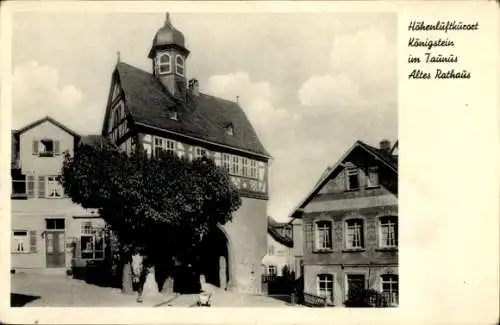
x,y
214,259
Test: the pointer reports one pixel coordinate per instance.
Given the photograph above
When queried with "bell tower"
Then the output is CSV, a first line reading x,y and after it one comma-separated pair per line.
x,y
168,54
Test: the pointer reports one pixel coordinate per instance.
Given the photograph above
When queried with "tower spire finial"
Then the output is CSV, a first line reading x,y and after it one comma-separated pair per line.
x,y
118,56
167,19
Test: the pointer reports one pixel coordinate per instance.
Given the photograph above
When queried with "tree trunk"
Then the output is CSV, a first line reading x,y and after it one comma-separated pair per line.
x,y
127,279
150,288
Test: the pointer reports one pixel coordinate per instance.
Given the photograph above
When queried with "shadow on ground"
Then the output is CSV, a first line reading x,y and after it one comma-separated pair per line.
x,y
19,300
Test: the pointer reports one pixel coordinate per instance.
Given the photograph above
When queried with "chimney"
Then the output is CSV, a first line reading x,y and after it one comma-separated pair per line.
x,y
194,89
385,145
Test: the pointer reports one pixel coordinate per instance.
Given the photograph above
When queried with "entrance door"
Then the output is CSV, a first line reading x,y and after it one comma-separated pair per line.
x,y
355,284
54,244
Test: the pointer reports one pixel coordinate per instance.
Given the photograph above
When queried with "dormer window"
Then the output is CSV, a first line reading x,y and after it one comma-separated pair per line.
x,y
173,115
164,63
229,129
179,65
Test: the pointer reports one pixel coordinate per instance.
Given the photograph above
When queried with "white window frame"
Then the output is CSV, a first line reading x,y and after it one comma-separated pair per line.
x,y
391,221
163,144
253,169
235,165
361,240
392,284
180,65
200,152
52,181
244,166
88,230
226,162
351,171
24,240
329,231
162,64
272,270
328,279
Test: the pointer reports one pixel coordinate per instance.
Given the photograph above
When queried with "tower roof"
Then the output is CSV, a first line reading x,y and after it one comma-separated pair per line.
x,y
167,36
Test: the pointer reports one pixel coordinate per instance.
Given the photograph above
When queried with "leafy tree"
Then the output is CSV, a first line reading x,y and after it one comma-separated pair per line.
x,y
165,205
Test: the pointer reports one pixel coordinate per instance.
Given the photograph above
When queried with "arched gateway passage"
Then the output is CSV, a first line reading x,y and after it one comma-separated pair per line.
x,y
214,259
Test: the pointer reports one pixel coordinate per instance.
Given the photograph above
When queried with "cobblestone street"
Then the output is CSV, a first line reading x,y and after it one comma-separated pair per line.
x,y
55,289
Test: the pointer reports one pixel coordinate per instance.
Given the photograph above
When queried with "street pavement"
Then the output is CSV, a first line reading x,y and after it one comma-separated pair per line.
x,y
42,289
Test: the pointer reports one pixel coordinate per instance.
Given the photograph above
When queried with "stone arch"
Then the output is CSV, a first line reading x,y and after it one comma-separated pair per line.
x,y
216,259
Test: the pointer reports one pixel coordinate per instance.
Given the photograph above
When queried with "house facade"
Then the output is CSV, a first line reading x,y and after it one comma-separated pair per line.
x,y
48,230
164,111
346,229
279,249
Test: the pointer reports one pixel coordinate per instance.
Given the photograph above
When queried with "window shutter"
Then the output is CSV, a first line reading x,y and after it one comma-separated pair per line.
x,y
309,234
78,248
31,186
35,147
41,186
33,241
56,147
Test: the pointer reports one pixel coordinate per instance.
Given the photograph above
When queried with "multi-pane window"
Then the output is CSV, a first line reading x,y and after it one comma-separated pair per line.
x,y
253,168
161,144
372,177
179,65
91,242
270,250
352,179
244,166
20,242
390,288
54,189
164,63
226,162
235,166
389,231
200,152
55,224
354,233
24,241
325,286
272,270
323,233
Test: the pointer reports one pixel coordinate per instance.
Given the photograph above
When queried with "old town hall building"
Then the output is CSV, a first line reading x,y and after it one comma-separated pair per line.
x,y
162,110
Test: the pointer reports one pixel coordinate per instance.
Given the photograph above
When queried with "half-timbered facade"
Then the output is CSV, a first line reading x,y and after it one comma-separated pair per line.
x,y
346,229
163,111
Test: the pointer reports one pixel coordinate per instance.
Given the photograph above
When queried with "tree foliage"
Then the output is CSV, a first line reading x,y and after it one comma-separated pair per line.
x,y
155,203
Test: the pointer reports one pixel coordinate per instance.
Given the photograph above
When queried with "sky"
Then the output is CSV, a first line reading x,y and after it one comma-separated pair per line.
x,y
311,84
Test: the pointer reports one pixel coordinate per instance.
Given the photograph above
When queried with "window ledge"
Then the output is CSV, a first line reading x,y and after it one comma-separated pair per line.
x,y
323,251
353,250
387,249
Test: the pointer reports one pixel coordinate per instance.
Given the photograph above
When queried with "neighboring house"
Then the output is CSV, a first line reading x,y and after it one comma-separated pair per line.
x,y
279,249
348,226
163,111
48,230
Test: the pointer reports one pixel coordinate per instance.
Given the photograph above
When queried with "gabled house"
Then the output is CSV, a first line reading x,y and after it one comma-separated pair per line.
x,y
346,228
279,249
46,225
164,111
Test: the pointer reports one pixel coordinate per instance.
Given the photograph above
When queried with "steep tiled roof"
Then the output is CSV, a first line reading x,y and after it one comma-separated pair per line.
x,y
274,229
385,157
47,119
203,117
